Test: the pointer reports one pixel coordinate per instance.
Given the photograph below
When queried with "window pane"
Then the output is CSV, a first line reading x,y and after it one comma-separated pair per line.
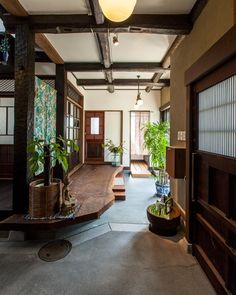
x,y
71,134
94,125
10,121
71,121
217,118
3,118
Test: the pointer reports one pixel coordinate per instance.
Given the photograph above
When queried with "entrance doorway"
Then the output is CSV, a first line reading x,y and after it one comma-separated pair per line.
x,y
94,136
139,160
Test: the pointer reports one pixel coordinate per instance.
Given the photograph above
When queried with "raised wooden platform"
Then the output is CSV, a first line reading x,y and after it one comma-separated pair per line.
x,y
119,187
92,185
139,169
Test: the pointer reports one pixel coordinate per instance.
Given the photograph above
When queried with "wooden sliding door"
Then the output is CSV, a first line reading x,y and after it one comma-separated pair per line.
x,y
213,161
94,136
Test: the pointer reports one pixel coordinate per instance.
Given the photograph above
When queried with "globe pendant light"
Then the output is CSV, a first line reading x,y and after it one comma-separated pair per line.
x,y
117,10
139,100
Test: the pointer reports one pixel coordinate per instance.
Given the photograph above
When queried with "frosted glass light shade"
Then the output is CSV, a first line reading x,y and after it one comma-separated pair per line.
x,y
117,10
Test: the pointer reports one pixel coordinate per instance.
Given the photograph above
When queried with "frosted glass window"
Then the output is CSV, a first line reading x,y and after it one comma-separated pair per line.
x,y
217,118
94,126
3,120
10,121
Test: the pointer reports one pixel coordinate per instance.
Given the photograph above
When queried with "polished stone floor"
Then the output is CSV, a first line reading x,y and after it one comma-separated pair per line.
x,y
115,255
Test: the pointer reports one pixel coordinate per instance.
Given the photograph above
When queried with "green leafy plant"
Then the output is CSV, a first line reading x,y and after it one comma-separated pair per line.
x,y
112,148
156,139
42,153
4,44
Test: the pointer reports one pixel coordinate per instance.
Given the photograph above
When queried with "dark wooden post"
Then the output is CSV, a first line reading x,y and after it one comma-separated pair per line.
x,y
61,87
24,114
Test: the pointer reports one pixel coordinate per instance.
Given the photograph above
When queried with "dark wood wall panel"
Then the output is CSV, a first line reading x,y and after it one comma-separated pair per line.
x,y
219,189
232,196
6,160
212,249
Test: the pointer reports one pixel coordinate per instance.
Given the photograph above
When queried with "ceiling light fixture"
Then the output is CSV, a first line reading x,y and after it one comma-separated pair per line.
x,y
139,100
117,10
115,40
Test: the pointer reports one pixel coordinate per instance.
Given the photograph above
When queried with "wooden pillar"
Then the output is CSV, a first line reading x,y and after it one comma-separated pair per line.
x,y
24,114
61,87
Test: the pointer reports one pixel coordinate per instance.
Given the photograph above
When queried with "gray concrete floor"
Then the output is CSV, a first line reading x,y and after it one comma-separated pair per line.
x,y
115,255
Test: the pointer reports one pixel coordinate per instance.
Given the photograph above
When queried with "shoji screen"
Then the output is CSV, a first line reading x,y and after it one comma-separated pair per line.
x,y
217,118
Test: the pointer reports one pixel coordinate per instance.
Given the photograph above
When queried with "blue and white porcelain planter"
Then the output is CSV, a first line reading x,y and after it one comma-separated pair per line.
x,y
162,189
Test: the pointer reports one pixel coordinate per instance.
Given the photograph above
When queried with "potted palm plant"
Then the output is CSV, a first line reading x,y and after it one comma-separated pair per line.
x,y
45,193
156,139
116,150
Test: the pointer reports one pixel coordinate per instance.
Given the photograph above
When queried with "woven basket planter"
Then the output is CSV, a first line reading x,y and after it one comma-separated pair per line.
x,y
44,201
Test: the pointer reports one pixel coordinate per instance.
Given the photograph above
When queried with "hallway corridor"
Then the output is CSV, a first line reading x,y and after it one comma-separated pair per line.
x,y
114,255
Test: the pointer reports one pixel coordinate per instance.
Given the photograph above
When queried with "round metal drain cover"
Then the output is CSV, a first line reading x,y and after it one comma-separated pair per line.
x,y
55,250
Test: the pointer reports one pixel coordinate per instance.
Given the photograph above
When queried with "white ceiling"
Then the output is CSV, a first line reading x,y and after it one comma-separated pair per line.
x,y
55,6
81,47
79,6
89,75
163,6
141,47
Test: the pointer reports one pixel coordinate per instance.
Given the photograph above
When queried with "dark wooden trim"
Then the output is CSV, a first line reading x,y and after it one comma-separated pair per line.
x,y
171,50
219,75
24,114
76,89
41,56
115,67
218,54
6,72
61,87
179,24
7,94
122,82
197,9
164,107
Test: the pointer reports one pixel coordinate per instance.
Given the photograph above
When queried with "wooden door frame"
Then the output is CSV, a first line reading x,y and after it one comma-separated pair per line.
x,y
121,127
219,54
135,111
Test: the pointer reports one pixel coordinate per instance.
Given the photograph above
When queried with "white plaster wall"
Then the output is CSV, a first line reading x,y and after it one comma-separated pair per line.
x,y
123,101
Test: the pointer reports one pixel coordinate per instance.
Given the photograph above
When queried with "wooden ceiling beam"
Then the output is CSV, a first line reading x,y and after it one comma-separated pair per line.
x,y
96,11
167,59
121,82
103,42
42,42
15,8
156,78
180,24
116,67
197,9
